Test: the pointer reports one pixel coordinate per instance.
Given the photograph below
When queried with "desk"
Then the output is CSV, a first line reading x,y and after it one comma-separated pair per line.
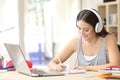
x,y
13,75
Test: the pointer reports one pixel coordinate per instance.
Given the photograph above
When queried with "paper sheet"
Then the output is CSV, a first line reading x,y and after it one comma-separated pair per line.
x,y
74,71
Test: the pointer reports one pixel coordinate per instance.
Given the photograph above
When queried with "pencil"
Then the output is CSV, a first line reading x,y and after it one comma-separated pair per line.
x,y
59,59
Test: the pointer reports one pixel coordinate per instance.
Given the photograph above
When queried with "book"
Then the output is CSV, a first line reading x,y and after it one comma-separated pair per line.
x,y
111,69
113,19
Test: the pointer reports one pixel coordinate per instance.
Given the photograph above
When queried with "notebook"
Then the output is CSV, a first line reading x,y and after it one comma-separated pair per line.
x,y
19,61
108,70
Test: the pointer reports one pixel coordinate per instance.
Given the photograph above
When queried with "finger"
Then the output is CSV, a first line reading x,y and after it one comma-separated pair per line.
x,y
75,67
58,69
62,65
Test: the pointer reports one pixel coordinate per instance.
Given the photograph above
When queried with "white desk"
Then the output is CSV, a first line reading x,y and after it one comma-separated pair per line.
x,y
13,75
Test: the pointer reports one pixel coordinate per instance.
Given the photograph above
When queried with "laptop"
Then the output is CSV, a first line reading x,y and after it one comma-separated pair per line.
x,y
19,61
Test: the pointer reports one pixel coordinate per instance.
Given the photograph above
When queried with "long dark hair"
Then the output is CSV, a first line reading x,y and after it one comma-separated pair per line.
x,y
90,18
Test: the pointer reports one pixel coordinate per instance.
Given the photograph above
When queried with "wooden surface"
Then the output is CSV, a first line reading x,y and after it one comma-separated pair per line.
x,y
13,75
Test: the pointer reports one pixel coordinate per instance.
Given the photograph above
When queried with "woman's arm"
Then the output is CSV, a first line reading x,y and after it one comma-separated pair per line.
x,y
92,68
113,55
56,64
113,51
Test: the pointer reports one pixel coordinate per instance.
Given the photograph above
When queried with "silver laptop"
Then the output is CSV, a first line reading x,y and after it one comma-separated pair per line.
x,y
19,61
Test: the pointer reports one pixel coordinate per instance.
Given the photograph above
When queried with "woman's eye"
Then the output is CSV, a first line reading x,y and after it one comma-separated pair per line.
x,y
79,28
86,30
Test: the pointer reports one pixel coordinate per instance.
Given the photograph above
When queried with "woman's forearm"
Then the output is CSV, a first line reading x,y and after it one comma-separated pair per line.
x,y
97,67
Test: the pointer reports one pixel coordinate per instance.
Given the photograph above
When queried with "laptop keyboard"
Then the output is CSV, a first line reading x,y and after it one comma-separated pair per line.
x,y
37,71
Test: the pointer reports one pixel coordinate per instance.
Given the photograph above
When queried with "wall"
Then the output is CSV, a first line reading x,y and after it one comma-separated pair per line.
x,y
64,26
2,2
91,3
64,22
9,21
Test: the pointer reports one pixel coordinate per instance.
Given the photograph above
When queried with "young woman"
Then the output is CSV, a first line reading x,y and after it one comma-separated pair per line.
x,y
96,48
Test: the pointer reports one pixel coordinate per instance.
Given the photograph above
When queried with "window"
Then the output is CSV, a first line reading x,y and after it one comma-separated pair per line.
x,y
38,34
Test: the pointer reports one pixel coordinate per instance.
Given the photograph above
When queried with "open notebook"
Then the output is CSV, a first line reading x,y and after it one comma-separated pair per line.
x,y
19,61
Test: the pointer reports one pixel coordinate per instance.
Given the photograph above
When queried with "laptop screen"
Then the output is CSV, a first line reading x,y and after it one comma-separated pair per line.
x,y
18,59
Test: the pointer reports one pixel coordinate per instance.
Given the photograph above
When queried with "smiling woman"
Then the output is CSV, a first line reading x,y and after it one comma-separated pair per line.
x,y
93,45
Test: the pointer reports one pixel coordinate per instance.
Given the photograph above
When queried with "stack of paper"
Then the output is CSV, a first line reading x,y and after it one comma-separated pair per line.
x,y
112,69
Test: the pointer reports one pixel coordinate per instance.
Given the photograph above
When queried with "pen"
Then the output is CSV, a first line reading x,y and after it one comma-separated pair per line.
x,y
9,67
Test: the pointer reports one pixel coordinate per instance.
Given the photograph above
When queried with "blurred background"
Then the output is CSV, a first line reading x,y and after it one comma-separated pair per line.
x,y
40,27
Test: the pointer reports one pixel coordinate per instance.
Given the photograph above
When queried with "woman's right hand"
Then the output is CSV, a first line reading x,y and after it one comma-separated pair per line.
x,y
60,67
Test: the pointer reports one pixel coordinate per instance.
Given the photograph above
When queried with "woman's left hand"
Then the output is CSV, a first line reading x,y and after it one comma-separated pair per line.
x,y
79,67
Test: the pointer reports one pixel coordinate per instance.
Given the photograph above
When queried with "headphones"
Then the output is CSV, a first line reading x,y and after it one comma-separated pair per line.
x,y
99,25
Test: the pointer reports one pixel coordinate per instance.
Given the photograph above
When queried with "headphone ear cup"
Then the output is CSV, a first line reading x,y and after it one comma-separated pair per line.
x,y
98,27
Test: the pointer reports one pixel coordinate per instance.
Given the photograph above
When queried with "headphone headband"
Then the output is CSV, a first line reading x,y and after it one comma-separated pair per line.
x,y
99,25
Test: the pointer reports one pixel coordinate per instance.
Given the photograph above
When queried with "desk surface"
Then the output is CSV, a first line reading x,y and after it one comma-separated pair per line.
x,y
13,75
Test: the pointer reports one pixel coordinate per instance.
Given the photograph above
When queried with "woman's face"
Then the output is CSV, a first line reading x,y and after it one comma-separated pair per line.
x,y
85,30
